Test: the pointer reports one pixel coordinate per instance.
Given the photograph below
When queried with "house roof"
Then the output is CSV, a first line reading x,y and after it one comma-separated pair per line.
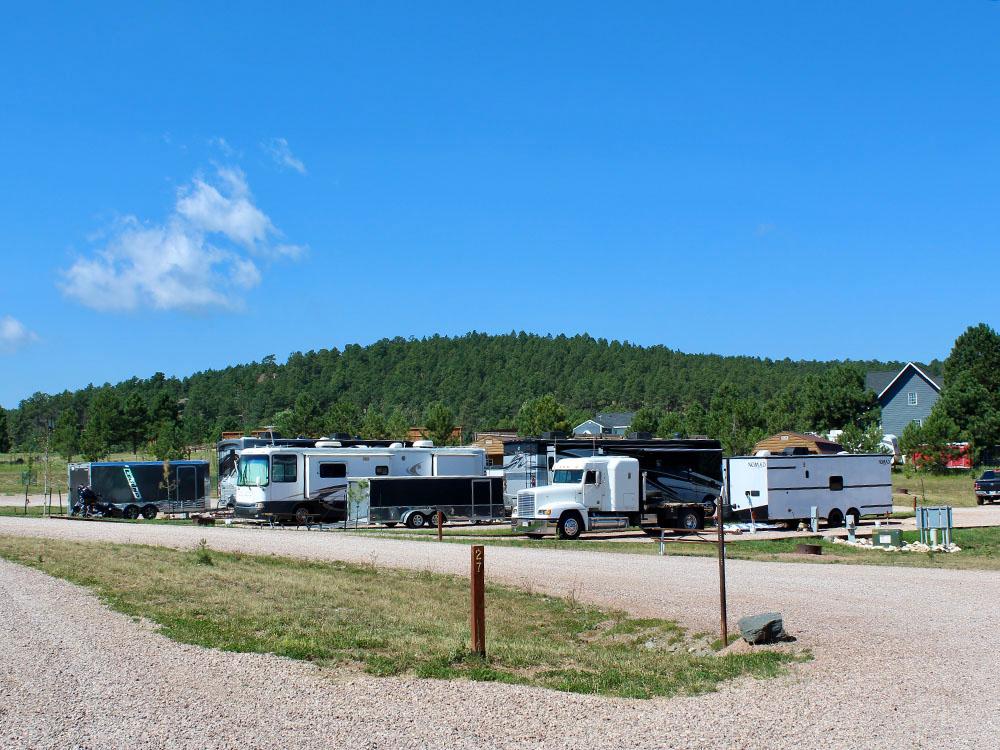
x,y
615,418
880,382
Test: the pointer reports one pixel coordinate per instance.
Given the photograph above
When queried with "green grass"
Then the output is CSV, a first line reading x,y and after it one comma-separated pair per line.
x,y
391,622
980,549
954,488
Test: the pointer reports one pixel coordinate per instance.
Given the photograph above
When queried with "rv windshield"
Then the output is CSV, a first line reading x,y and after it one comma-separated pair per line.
x,y
567,476
253,471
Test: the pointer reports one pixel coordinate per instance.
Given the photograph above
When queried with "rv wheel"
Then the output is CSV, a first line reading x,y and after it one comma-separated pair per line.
x,y
690,520
301,515
835,519
416,521
149,512
856,513
132,511
570,525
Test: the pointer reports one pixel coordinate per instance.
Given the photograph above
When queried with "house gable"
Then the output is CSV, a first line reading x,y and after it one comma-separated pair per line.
x,y
909,397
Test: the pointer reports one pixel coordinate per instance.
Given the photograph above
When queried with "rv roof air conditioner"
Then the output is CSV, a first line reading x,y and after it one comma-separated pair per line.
x,y
762,453
423,443
327,443
395,445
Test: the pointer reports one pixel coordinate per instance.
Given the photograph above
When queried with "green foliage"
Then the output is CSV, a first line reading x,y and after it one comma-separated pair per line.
x,y
4,433
168,443
398,425
103,425
66,435
857,440
373,425
134,426
439,421
928,445
304,418
971,395
646,419
343,416
542,414
671,424
837,398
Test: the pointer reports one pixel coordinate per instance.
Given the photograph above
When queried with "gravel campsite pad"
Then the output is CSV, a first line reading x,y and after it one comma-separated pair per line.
x,y
903,658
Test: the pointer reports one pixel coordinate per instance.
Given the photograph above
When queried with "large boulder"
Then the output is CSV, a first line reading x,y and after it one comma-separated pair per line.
x,y
765,628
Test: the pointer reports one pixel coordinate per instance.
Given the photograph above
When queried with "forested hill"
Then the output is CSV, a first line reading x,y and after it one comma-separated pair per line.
x,y
483,379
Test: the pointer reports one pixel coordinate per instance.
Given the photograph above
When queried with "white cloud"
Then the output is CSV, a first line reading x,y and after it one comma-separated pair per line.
x,y
282,155
198,258
14,335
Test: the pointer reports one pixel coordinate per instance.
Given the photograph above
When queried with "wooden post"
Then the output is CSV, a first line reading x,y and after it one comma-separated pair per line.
x,y
724,626
440,524
478,614
25,499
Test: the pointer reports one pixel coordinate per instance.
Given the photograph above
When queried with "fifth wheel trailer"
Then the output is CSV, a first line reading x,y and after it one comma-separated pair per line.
x,y
788,487
144,487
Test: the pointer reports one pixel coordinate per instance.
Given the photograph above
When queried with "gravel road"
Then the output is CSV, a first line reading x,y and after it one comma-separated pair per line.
x,y
904,657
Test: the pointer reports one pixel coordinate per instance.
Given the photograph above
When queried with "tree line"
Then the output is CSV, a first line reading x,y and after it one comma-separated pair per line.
x,y
477,381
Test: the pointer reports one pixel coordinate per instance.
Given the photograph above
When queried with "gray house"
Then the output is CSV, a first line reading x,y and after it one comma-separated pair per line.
x,y
609,423
905,396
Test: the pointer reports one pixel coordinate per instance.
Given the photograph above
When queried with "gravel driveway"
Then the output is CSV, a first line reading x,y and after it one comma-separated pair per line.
x,y
905,657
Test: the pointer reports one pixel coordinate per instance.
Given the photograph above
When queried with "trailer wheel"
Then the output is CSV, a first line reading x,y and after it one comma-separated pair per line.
x,y
835,519
131,511
301,515
570,525
856,513
690,520
416,521
149,512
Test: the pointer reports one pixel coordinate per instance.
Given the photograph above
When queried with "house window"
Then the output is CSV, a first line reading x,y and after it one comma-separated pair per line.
x,y
918,422
911,398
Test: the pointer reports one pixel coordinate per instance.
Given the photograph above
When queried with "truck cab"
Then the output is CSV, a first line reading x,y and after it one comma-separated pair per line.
x,y
600,492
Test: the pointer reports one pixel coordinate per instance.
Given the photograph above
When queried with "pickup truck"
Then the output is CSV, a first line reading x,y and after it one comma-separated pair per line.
x,y
987,487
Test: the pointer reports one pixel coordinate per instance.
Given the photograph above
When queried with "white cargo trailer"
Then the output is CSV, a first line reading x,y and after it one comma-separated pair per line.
x,y
788,487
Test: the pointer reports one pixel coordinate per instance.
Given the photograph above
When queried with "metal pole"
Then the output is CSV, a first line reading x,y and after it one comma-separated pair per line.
x,y
723,625
478,613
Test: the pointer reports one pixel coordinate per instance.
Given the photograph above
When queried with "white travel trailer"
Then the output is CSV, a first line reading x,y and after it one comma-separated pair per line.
x,y
788,487
288,482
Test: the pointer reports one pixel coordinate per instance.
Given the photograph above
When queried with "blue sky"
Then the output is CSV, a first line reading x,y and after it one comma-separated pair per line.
x,y
190,186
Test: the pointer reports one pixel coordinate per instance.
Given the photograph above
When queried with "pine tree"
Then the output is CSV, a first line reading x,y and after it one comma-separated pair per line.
x,y
134,422
4,432
66,435
439,423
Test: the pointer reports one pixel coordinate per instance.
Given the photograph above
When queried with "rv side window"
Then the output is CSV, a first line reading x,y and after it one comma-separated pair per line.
x,y
836,483
381,471
332,471
591,478
283,468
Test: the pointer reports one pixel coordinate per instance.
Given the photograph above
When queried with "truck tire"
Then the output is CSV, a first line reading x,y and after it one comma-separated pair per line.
x,y
835,519
979,500
690,520
149,512
570,525
131,512
416,521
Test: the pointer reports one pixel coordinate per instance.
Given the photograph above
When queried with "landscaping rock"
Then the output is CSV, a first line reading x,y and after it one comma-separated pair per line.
x,y
765,628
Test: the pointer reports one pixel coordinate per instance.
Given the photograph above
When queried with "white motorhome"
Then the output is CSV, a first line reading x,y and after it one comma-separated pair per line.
x,y
286,482
599,493
788,487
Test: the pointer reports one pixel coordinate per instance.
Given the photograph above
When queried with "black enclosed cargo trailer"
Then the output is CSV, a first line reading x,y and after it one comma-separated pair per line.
x,y
414,501
148,488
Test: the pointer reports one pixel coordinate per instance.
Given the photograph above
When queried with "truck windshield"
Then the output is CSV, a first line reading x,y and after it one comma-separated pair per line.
x,y
253,471
567,476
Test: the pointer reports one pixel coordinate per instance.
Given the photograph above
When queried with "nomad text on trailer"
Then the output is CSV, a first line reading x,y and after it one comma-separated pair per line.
x,y
286,483
144,487
788,487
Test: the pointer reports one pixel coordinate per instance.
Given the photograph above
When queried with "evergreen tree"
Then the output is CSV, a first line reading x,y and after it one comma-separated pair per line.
x,y
164,408
398,425
373,425
542,414
343,417
168,443
646,419
4,432
66,435
134,422
439,421
101,432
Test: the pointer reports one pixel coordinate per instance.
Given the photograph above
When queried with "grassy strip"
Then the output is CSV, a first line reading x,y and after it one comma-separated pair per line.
x,y
390,622
980,549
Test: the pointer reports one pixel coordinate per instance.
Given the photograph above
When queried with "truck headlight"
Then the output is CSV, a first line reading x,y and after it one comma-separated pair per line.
x,y
544,512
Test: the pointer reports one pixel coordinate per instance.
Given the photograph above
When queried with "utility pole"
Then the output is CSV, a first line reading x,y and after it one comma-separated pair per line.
x,y
723,625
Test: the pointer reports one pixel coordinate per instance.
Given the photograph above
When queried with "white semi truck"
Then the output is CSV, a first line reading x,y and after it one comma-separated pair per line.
x,y
601,493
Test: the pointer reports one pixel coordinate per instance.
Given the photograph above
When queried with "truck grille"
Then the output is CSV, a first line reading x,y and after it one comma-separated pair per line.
x,y
525,504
